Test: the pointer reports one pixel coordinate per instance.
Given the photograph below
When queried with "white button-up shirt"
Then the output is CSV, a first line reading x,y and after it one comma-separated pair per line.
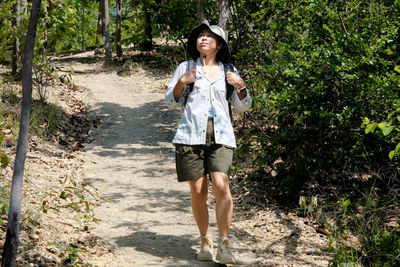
x,y
194,115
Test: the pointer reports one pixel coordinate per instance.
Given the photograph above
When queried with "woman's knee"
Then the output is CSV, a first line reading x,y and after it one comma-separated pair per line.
x,y
221,185
198,189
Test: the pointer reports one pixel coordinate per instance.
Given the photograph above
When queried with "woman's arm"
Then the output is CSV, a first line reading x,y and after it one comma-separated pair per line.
x,y
186,78
177,84
238,83
241,101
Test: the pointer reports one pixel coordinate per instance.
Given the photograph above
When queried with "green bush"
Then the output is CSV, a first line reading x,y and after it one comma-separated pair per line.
x,y
316,69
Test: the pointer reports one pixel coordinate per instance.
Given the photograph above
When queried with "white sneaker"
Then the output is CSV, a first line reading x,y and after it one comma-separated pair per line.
x,y
206,248
224,254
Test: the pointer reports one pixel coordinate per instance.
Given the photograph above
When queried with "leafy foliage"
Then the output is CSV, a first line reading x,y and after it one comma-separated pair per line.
x,y
315,77
389,127
70,27
315,70
8,32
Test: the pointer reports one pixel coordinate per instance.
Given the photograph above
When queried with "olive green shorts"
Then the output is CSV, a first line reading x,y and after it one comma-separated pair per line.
x,y
195,161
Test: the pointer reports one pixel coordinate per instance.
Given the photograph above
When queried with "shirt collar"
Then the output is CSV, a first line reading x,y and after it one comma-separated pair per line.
x,y
220,74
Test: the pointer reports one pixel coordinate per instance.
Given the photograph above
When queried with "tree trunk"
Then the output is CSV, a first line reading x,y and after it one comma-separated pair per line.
x,y
14,214
118,29
107,31
83,28
200,12
224,15
16,55
148,43
101,18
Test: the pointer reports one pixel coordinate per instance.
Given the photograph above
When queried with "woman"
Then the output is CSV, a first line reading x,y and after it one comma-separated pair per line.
x,y
205,139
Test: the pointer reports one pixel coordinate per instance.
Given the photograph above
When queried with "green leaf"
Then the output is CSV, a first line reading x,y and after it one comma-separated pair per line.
x,y
79,194
87,206
391,154
106,199
71,205
387,130
382,125
397,68
4,160
396,150
1,139
371,128
388,52
72,257
345,203
398,117
62,195
326,28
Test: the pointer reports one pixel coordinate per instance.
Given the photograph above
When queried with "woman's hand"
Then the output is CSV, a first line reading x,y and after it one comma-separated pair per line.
x,y
188,77
235,80
238,83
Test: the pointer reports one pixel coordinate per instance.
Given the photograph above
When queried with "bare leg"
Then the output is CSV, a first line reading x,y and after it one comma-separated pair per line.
x,y
224,203
198,190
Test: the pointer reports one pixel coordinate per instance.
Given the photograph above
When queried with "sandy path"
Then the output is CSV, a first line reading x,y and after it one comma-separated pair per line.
x,y
131,163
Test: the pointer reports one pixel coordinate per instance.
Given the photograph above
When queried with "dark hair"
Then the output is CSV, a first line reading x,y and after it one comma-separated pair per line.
x,y
219,42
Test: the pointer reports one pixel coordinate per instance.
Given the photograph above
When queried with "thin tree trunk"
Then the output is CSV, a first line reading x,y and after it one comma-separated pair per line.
x,y
224,15
118,29
83,28
16,55
14,214
200,12
46,35
101,18
148,43
107,31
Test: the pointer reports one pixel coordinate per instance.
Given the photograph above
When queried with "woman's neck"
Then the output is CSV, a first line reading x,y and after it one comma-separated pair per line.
x,y
209,60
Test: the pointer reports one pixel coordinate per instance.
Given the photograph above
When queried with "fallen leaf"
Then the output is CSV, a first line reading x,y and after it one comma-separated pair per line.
x,y
321,231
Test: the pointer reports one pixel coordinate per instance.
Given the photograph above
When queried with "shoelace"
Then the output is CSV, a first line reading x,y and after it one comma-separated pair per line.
x,y
225,246
206,244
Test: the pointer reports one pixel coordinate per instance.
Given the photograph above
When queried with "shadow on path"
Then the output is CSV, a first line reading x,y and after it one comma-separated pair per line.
x,y
162,246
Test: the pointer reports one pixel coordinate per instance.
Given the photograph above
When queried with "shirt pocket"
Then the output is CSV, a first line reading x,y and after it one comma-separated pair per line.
x,y
195,96
220,88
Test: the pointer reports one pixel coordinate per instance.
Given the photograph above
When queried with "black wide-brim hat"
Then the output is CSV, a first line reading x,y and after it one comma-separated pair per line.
x,y
223,54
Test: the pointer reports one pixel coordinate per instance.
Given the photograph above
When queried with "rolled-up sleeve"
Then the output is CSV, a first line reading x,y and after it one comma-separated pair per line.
x,y
169,94
240,105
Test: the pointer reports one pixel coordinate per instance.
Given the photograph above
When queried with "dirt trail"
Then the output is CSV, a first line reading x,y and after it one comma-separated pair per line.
x,y
131,163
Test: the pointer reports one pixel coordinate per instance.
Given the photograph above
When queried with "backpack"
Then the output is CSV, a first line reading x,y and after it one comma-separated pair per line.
x,y
229,88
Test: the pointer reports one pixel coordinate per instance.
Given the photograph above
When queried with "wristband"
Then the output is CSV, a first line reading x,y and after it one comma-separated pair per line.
x,y
242,89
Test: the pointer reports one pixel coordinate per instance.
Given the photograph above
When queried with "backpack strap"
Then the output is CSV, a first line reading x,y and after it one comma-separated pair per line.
x,y
189,87
229,87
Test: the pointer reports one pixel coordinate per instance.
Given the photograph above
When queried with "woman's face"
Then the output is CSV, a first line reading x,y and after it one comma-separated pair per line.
x,y
207,43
